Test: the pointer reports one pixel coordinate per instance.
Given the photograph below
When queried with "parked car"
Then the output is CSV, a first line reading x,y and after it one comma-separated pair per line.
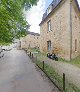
x,y
6,48
1,52
0,48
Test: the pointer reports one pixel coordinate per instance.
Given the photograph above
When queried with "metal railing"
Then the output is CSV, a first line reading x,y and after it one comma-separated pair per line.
x,y
60,82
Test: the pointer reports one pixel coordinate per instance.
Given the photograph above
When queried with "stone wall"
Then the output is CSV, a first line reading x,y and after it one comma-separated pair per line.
x,y
60,34
30,41
75,31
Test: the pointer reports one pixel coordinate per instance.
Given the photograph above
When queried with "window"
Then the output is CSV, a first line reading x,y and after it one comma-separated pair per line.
x,y
49,45
49,9
49,25
75,44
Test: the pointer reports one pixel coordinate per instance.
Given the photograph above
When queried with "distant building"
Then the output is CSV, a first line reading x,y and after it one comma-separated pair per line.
x,y
17,43
32,40
60,29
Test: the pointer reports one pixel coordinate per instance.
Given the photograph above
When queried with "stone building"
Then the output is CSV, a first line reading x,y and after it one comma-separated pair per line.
x,y
31,40
60,29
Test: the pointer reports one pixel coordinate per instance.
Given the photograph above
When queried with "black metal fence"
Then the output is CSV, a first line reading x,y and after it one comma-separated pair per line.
x,y
59,81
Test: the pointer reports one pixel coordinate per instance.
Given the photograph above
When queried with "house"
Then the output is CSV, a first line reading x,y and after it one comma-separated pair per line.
x,y
16,43
60,29
31,40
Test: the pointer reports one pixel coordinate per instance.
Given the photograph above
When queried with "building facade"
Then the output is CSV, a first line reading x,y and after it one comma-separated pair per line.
x,y
60,29
32,40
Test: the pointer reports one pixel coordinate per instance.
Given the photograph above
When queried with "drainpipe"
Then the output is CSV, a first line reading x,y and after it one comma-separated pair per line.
x,y
71,29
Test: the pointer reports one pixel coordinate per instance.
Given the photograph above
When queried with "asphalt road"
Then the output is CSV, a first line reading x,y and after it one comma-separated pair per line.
x,y
19,74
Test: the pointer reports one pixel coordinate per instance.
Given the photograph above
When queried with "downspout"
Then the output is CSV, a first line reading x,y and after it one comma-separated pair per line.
x,y
71,29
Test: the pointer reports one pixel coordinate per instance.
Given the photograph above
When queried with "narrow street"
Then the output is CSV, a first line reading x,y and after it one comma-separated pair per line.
x,y
19,74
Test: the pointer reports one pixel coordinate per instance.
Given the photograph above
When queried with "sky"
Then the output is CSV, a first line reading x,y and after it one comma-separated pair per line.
x,y
34,15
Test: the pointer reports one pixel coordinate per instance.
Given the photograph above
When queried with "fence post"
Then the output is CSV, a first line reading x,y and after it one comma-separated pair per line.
x,y
36,58
64,82
26,51
43,65
30,54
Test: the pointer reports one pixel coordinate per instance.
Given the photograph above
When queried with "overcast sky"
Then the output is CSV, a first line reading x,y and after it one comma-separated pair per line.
x,y
34,15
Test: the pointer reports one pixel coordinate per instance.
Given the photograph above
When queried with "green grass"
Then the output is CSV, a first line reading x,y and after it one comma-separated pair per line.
x,y
53,74
33,50
57,78
42,56
39,54
75,61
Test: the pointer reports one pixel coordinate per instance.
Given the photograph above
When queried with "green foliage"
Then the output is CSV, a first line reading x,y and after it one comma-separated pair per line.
x,y
12,21
4,43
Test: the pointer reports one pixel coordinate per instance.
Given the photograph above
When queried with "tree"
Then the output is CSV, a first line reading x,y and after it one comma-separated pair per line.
x,y
12,21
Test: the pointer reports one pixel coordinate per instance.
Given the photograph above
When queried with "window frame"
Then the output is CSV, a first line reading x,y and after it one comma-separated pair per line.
x,y
49,45
49,26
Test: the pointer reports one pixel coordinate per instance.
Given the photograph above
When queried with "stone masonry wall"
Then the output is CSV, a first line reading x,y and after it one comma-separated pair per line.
x,y
60,34
30,41
75,32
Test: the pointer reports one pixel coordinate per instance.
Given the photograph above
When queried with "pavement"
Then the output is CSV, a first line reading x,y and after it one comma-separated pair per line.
x,y
19,74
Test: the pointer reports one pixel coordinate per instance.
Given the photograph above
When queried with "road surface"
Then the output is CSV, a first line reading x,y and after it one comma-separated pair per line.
x,y
19,74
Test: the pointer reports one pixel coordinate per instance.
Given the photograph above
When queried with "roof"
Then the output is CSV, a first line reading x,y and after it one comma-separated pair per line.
x,y
77,5
32,33
45,16
54,4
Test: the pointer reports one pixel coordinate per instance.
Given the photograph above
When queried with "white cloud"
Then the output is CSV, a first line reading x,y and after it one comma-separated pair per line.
x,y
79,2
34,16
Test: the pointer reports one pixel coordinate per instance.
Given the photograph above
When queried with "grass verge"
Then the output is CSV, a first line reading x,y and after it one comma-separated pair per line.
x,y
57,78
75,61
